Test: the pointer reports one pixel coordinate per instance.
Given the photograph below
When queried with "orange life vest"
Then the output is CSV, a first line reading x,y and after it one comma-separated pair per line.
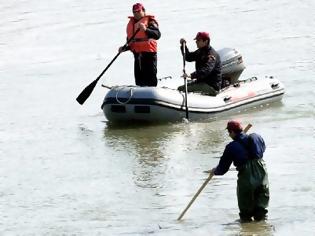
x,y
141,42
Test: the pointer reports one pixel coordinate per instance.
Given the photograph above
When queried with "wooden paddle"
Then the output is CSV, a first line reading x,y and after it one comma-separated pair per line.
x,y
89,89
204,184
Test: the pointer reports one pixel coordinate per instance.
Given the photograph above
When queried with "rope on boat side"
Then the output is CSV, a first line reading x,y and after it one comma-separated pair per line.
x,y
128,100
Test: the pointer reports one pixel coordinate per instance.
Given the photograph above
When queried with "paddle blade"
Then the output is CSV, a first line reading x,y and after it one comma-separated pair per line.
x,y
86,92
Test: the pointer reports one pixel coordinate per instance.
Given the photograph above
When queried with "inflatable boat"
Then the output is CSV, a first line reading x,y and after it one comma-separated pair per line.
x,y
162,104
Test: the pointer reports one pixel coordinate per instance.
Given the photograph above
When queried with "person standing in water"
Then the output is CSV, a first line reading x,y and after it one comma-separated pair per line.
x,y
246,153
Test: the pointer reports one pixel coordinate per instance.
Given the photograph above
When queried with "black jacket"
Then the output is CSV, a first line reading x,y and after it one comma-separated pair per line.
x,y
208,66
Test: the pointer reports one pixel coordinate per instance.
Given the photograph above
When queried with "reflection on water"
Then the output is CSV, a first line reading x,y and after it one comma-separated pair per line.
x,y
156,148
146,144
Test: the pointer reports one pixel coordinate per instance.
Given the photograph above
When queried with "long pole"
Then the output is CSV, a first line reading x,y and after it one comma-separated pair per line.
x,y
195,196
185,79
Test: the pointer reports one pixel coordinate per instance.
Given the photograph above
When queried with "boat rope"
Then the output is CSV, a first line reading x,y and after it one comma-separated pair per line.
x,y
128,100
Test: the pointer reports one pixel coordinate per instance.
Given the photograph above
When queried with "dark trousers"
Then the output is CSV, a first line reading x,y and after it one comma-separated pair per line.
x,y
199,87
145,69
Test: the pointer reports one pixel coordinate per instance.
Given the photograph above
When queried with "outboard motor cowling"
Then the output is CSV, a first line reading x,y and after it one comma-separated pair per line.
x,y
232,64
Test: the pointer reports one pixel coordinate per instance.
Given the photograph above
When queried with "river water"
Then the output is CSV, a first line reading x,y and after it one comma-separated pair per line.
x,y
65,171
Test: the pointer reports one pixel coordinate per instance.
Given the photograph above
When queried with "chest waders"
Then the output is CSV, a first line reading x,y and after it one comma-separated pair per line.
x,y
253,190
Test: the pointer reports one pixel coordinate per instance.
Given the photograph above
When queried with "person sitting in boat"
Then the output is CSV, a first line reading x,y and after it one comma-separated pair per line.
x,y
143,45
207,78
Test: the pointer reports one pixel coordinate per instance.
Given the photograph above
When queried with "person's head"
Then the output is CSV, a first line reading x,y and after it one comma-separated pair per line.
x,y
202,39
138,11
234,128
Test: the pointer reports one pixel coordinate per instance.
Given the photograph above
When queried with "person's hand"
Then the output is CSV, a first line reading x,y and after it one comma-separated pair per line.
x,y
182,41
185,75
122,49
142,27
210,171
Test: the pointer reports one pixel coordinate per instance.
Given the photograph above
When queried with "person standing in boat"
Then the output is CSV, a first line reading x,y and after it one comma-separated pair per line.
x,y
208,77
246,153
143,46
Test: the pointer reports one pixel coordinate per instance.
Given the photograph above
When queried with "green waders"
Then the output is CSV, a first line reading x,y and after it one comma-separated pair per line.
x,y
253,190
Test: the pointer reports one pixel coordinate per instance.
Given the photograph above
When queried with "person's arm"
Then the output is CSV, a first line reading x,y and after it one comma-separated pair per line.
x,y
224,163
152,30
189,56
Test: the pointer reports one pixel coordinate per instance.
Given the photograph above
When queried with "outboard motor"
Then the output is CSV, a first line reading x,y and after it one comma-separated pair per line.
x,y
232,65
